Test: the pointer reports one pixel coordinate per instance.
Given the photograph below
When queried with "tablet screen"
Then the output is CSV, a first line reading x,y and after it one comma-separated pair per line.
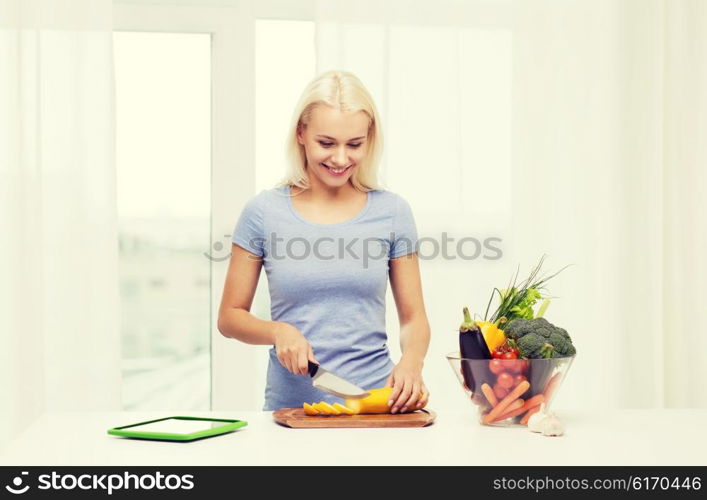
x,y
176,426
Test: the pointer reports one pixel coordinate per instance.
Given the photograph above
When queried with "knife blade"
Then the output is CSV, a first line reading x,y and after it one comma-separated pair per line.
x,y
327,381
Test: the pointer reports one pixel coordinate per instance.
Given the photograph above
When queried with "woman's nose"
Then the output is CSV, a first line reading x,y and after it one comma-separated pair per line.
x,y
340,156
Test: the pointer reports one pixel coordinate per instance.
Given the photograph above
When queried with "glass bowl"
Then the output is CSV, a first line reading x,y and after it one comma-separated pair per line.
x,y
489,383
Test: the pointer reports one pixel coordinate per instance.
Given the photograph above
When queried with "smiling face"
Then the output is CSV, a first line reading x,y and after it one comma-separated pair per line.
x,y
335,144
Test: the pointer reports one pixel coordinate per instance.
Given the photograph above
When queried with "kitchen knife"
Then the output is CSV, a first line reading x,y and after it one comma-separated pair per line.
x,y
326,381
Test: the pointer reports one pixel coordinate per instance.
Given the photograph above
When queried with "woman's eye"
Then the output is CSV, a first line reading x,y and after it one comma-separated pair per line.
x,y
329,144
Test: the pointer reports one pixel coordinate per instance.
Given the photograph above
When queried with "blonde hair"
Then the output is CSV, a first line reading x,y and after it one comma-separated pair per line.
x,y
344,91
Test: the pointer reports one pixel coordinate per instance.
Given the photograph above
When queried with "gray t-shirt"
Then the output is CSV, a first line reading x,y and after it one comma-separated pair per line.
x,y
329,281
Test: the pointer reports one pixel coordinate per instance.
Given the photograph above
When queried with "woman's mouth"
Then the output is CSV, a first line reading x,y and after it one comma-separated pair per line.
x,y
336,172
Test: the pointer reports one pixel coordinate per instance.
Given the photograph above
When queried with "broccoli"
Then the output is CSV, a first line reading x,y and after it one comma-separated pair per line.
x,y
533,346
563,344
538,338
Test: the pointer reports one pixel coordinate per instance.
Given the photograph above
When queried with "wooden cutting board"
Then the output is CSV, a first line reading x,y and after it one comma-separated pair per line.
x,y
296,418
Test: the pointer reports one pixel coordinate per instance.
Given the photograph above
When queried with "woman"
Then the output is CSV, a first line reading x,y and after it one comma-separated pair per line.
x,y
329,238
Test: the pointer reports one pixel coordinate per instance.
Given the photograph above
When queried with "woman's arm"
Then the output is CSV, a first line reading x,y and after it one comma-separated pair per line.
x,y
409,390
236,321
234,318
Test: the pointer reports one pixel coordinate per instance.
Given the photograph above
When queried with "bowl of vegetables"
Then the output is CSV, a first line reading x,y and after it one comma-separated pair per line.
x,y
512,363
507,392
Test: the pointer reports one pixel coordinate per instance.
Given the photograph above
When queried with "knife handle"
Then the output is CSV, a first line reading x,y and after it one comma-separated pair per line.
x,y
312,368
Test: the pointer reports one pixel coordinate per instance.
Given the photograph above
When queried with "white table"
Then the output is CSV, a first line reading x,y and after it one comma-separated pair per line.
x,y
628,437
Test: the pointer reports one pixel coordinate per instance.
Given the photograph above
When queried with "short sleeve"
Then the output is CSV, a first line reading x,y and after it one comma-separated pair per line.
x,y
404,234
249,233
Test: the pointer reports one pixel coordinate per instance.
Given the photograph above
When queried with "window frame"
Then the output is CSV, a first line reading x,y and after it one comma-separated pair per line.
x,y
232,156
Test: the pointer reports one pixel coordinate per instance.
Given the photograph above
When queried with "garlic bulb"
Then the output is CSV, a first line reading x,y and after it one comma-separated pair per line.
x,y
535,421
548,424
552,426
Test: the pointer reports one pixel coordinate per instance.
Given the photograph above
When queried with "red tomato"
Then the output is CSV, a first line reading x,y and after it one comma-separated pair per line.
x,y
520,367
509,363
518,379
496,366
505,380
500,392
524,364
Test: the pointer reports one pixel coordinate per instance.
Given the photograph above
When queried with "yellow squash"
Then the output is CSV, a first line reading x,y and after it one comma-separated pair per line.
x,y
376,402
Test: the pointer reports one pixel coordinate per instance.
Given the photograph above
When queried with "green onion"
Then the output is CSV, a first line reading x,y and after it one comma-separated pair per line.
x,y
517,300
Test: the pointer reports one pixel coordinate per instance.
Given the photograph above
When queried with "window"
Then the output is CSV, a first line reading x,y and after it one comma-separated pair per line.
x,y
163,108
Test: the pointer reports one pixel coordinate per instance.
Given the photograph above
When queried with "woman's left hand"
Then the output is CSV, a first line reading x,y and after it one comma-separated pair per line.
x,y
409,391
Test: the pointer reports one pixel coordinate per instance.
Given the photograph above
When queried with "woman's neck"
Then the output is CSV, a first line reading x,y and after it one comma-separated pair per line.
x,y
318,191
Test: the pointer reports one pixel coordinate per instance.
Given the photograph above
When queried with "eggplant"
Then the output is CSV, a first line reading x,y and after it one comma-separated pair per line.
x,y
472,345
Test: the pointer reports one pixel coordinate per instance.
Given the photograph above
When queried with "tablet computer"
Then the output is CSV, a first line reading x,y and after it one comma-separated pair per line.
x,y
178,428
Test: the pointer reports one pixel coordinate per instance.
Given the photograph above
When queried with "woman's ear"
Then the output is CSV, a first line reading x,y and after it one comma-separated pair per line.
x,y
300,134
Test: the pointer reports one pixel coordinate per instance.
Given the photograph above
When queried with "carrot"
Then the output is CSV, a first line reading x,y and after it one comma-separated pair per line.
x,y
551,386
511,410
505,402
510,414
534,401
519,409
531,403
488,392
530,413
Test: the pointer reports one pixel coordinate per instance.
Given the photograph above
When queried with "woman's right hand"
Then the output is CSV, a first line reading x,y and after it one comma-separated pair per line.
x,y
293,350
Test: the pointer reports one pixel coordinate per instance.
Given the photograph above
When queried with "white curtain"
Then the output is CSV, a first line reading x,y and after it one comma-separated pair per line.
x,y
59,298
569,128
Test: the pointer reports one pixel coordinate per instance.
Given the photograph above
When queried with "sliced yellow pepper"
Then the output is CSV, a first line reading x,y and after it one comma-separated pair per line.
x,y
329,409
309,409
320,408
343,409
